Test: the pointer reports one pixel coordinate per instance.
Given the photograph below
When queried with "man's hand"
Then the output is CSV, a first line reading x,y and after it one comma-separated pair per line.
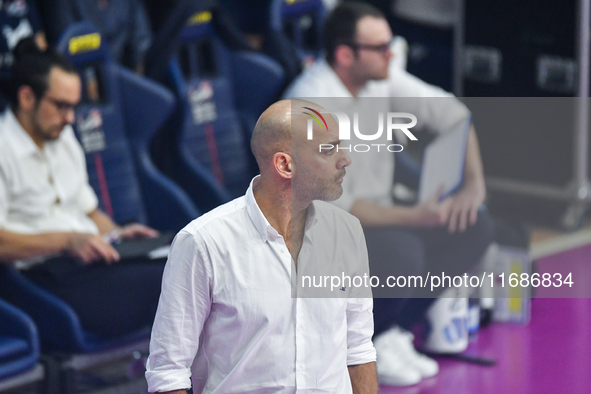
x,y
136,230
463,209
431,213
90,248
112,232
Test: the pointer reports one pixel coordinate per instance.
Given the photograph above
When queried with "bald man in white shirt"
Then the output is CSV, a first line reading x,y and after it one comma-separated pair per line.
x,y
227,321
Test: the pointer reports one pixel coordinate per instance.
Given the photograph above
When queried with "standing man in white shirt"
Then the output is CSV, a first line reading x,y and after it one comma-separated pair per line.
x,y
50,225
415,239
228,321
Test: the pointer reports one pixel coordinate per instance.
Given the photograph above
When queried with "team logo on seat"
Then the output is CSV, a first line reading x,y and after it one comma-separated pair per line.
x,y
203,108
90,129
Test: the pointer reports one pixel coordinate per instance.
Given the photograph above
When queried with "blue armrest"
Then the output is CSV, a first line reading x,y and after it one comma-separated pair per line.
x,y
59,326
14,323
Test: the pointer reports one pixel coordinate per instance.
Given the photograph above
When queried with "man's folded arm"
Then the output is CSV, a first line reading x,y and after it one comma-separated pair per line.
x,y
15,246
84,246
184,305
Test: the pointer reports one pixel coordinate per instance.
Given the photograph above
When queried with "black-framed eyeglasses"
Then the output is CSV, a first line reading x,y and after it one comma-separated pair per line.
x,y
381,48
62,106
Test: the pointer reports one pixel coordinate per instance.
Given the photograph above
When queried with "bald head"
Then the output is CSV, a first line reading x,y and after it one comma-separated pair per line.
x,y
273,131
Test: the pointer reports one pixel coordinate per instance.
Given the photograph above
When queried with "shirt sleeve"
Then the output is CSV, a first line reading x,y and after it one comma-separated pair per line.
x,y
87,199
3,197
360,348
299,88
184,305
437,111
404,84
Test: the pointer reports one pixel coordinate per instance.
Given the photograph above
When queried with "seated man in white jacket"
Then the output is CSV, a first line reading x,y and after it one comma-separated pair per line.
x,y
438,232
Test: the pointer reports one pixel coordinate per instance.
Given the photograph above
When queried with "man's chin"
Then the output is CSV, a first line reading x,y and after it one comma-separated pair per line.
x,y
334,195
54,135
382,76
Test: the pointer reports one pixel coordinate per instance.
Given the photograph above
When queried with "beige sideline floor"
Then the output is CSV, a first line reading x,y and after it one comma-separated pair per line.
x,y
551,241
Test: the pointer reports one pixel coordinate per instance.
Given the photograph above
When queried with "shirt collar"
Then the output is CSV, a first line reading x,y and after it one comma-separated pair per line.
x,y
338,88
311,218
20,141
260,221
256,215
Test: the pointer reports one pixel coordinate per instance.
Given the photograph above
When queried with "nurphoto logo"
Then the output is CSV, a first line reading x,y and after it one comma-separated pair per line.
x,y
393,120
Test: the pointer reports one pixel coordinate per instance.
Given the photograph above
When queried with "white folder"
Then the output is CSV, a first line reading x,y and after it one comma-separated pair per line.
x,y
443,163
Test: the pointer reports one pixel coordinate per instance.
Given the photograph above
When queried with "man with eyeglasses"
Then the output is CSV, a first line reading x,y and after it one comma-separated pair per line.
x,y
410,239
51,228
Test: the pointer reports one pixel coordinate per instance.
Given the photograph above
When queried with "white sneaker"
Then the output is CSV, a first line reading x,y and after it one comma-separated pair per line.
x,y
425,365
392,368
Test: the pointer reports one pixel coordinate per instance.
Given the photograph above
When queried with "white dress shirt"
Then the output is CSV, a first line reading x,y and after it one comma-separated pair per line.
x,y
371,174
227,319
43,190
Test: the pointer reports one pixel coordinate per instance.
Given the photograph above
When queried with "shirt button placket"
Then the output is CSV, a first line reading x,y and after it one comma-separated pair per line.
x,y
300,348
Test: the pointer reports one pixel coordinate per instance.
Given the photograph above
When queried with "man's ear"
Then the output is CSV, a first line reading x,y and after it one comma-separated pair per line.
x,y
344,55
282,163
26,98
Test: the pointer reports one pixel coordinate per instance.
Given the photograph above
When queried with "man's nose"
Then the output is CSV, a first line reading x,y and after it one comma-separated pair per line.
x,y
345,159
70,115
390,53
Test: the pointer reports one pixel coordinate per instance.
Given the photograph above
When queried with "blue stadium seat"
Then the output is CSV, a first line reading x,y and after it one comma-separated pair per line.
x,y
60,330
294,36
221,93
59,327
119,114
171,19
19,349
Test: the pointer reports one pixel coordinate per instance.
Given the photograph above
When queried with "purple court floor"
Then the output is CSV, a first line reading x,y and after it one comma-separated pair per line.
x,y
552,354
